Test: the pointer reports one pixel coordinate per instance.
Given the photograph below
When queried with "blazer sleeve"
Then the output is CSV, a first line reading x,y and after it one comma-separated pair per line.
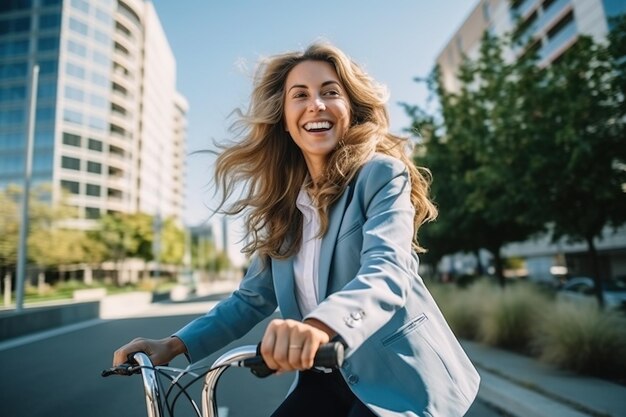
x,y
379,289
234,316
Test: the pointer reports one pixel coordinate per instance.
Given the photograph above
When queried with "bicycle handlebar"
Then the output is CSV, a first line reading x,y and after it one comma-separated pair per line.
x,y
330,355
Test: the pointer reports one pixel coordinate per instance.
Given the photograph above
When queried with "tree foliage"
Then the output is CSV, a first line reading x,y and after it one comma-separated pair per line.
x,y
520,147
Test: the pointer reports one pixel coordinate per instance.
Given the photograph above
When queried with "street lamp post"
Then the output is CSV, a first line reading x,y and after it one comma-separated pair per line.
x,y
28,167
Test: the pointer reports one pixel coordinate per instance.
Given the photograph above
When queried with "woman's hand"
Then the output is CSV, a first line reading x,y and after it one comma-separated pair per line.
x,y
160,351
290,345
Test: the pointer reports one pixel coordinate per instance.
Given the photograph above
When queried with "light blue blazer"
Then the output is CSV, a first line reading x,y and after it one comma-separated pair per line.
x,y
402,359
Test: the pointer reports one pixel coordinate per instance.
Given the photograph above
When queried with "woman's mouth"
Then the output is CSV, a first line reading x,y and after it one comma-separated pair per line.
x,y
318,126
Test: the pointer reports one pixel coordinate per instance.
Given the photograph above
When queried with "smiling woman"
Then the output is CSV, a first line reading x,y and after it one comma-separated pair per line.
x,y
333,205
317,113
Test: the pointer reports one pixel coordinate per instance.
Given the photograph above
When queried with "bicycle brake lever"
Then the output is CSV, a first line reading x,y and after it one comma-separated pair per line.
x,y
125,369
258,367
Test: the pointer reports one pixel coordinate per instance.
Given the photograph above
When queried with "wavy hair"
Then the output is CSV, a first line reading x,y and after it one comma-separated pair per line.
x,y
271,168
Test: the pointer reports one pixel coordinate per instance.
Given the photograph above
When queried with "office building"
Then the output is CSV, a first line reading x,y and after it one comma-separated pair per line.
x,y
110,126
553,26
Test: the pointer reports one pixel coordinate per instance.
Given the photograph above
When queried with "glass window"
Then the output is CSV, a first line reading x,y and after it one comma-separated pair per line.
x,y
71,139
70,163
12,117
614,8
76,48
42,160
97,123
78,26
98,101
51,2
14,48
15,25
48,67
95,145
101,59
75,70
94,167
12,141
14,93
45,114
44,137
74,93
48,44
92,212
71,187
102,37
103,16
99,79
81,5
72,116
93,190
14,165
14,70
13,5
50,21
47,90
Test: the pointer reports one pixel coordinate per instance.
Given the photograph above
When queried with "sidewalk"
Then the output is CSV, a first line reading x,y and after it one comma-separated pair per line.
x,y
524,387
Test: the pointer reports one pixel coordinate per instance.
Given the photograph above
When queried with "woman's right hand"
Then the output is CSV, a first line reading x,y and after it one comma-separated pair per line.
x,y
159,351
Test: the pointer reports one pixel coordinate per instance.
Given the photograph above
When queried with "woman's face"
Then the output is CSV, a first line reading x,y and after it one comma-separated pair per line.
x,y
316,111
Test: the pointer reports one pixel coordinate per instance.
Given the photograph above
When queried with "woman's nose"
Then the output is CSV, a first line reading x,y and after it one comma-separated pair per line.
x,y
317,104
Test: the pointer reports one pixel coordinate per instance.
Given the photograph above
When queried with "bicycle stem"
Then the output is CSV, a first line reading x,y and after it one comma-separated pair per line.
x,y
230,358
150,384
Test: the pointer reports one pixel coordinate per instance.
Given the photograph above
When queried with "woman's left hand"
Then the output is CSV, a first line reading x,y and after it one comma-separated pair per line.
x,y
290,345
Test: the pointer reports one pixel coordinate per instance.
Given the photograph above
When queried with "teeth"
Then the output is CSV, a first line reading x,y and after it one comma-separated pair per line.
x,y
317,125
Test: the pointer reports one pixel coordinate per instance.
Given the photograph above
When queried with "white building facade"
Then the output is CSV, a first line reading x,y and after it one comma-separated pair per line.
x,y
110,124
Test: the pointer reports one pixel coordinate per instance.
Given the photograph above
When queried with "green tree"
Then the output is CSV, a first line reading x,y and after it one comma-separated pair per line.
x,y
9,228
479,154
581,156
520,146
172,243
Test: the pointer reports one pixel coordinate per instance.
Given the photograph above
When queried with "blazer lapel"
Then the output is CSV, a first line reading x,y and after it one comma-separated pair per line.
x,y
285,288
330,238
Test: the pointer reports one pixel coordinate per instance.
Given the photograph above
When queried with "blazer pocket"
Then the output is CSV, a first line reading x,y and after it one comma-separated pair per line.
x,y
353,228
405,330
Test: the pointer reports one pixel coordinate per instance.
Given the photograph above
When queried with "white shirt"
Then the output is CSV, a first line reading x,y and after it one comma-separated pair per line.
x,y
306,261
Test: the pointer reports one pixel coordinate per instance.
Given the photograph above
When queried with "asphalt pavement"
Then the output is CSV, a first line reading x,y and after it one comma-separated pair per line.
x,y
56,373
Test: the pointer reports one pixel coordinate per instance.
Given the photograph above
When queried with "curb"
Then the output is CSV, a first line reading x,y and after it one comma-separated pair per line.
x,y
519,401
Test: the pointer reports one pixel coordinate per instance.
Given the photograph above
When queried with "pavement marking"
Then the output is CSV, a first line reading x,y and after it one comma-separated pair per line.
x,y
24,340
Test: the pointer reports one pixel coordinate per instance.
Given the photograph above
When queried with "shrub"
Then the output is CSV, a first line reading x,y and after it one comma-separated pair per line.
x,y
463,308
583,338
511,315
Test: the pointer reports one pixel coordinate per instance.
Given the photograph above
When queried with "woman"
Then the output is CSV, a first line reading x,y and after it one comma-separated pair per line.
x,y
334,203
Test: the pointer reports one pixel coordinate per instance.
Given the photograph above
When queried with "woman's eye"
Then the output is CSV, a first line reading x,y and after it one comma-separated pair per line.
x,y
332,93
299,94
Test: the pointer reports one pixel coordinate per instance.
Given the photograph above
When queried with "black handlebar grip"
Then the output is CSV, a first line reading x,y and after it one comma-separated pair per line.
x,y
330,355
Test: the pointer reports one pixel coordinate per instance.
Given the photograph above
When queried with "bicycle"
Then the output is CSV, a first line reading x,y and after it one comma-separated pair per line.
x,y
329,355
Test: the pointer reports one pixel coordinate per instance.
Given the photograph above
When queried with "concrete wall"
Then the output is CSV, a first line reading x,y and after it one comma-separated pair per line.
x,y
36,319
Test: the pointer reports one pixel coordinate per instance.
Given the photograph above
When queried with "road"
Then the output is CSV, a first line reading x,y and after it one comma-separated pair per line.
x,y
59,375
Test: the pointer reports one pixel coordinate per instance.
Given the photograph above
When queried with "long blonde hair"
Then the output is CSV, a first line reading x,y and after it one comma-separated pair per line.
x,y
271,167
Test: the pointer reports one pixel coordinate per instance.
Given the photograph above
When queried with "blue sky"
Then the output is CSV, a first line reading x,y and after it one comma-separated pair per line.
x,y
217,43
